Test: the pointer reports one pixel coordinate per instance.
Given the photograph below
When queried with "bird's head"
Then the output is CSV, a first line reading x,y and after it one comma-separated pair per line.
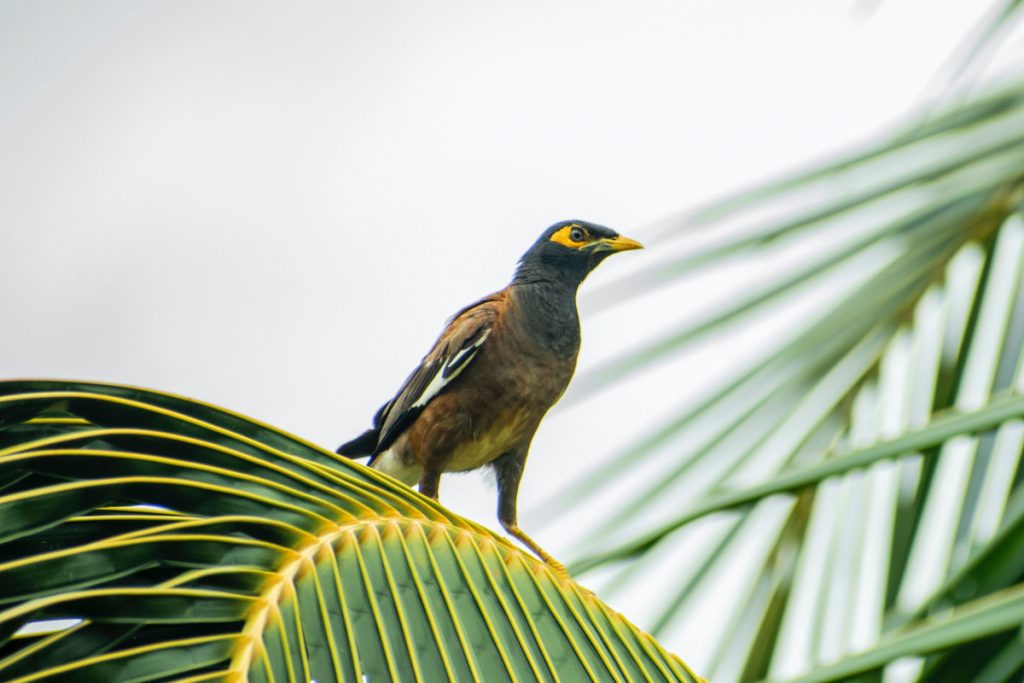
x,y
569,250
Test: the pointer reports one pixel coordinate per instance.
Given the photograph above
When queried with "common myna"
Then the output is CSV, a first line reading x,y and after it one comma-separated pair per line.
x,y
478,397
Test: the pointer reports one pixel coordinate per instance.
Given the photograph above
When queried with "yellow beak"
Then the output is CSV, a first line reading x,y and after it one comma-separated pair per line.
x,y
618,243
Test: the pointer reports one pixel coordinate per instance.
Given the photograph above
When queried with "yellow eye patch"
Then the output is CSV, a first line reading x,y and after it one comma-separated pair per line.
x,y
564,236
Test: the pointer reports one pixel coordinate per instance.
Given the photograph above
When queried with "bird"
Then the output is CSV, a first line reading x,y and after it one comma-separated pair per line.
x,y
478,396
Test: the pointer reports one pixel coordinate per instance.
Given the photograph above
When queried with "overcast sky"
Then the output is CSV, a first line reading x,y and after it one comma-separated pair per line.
x,y
274,206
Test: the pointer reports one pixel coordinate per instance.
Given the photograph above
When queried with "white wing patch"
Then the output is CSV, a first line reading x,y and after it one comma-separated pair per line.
x,y
447,372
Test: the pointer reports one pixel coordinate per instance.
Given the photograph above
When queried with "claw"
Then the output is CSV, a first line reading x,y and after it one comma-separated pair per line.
x,y
550,561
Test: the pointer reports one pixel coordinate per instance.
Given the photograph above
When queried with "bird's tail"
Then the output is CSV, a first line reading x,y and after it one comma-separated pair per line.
x,y
361,446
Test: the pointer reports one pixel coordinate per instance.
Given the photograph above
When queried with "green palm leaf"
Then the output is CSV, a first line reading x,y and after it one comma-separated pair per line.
x,y
865,465
185,541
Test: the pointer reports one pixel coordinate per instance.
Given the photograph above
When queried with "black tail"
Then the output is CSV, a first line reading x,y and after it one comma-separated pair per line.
x,y
361,446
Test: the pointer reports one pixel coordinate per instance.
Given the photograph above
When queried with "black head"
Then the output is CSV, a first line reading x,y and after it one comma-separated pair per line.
x,y
568,251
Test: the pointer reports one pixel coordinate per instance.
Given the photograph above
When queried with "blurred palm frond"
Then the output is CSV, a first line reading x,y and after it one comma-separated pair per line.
x,y
867,460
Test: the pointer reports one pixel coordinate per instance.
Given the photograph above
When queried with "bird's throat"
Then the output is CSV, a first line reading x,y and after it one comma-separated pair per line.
x,y
549,314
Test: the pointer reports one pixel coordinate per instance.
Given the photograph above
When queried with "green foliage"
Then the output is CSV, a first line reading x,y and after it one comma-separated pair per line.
x,y
876,448
191,543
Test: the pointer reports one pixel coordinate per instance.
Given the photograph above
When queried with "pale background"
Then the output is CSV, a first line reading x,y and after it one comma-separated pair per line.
x,y
274,206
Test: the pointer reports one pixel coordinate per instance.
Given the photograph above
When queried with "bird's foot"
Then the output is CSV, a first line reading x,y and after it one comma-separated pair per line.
x,y
557,566
546,557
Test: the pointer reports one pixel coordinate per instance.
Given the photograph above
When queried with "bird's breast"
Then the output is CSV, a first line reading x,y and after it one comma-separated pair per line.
x,y
485,445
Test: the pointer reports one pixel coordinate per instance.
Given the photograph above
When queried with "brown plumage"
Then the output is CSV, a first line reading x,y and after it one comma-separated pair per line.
x,y
478,397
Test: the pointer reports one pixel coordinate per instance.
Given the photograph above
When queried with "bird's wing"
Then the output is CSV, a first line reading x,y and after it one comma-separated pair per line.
x,y
453,352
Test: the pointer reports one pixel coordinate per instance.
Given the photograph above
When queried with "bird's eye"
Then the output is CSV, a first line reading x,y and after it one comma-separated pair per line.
x,y
577,235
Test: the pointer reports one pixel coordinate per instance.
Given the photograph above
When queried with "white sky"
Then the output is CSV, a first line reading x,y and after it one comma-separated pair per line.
x,y
274,206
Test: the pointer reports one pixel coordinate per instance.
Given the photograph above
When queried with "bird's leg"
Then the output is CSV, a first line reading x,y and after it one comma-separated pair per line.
x,y
509,469
430,482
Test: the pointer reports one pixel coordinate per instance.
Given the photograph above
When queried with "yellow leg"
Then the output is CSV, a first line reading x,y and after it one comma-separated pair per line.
x,y
518,533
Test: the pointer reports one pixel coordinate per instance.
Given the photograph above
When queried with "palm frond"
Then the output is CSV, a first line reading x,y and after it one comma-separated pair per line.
x,y
868,459
176,539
